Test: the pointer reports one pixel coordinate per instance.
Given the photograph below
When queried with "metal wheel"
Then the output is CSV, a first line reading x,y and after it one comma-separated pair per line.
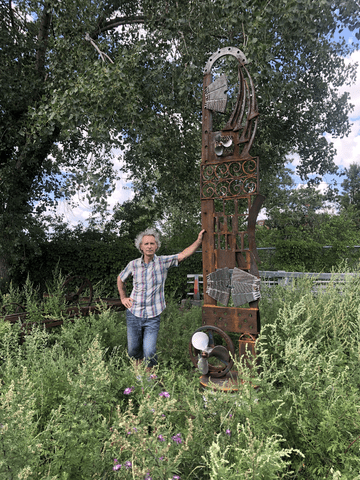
x,y
218,367
78,291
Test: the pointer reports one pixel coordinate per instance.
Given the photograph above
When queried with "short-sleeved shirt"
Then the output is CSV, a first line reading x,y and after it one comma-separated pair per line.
x,y
148,284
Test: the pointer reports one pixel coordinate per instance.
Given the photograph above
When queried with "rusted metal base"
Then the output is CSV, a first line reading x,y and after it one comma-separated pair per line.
x,y
228,383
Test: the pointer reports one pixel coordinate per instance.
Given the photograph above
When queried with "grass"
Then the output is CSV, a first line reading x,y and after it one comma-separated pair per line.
x,y
74,406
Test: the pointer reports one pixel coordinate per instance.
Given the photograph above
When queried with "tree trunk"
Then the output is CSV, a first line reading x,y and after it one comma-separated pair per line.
x,y
4,272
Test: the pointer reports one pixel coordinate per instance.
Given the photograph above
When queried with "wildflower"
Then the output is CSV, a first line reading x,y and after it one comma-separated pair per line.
x,y
117,467
228,432
230,415
176,477
147,476
128,465
161,458
164,394
161,438
153,376
177,438
128,390
115,461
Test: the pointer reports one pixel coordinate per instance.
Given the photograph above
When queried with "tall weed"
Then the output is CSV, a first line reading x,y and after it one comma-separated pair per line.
x,y
74,406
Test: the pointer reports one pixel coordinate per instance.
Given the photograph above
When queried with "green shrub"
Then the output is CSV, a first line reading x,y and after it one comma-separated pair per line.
x,y
74,406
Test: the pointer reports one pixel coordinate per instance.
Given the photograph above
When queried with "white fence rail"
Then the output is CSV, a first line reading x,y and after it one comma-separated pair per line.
x,y
270,279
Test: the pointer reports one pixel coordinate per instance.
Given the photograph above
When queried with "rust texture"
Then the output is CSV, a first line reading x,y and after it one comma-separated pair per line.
x,y
229,183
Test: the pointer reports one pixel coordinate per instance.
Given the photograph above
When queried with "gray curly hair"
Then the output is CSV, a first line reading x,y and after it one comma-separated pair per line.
x,y
149,231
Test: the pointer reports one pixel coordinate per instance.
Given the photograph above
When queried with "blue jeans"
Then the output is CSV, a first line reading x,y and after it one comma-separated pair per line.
x,y
141,337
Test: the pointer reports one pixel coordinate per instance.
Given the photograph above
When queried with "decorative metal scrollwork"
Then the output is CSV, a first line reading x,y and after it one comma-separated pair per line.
x,y
230,179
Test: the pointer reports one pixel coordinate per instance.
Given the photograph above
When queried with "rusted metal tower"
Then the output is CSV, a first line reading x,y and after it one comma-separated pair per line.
x,y
230,203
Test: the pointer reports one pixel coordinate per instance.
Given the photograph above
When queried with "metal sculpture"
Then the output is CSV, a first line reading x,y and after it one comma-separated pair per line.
x,y
230,203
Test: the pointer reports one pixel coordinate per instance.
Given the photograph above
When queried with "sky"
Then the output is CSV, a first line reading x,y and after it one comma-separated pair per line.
x,y
348,152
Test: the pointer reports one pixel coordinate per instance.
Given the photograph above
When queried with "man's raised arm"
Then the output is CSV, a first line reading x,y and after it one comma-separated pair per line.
x,y
192,249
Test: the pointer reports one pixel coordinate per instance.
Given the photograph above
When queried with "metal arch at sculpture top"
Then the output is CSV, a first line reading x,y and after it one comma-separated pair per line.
x,y
238,134
235,52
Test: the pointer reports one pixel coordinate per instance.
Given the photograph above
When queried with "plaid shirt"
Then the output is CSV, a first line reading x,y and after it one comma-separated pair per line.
x,y
148,284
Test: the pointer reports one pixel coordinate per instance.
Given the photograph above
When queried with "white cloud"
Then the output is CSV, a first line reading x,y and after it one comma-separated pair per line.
x,y
82,211
354,90
347,148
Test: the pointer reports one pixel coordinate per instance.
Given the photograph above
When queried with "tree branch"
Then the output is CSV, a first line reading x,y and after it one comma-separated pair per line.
x,y
11,15
102,54
117,22
43,39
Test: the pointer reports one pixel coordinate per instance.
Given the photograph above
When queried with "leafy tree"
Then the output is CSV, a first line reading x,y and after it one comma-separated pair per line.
x,y
300,209
351,187
306,236
79,78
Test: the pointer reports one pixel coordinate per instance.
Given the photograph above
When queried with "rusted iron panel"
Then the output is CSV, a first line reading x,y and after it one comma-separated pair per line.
x,y
231,319
229,179
207,220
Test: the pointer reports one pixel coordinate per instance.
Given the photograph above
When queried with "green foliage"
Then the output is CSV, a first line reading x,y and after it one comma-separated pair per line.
x,y
100,256
351,187
72,404
300,247
254,458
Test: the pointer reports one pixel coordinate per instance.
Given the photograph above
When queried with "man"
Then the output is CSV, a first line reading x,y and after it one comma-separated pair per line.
x,y
147,300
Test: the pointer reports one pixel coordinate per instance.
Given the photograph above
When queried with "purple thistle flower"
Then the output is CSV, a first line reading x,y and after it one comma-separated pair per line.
x,y
128,465
176,477
161,438
117,467
164,394
228,432
153,376
177,438
115,461
128,390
